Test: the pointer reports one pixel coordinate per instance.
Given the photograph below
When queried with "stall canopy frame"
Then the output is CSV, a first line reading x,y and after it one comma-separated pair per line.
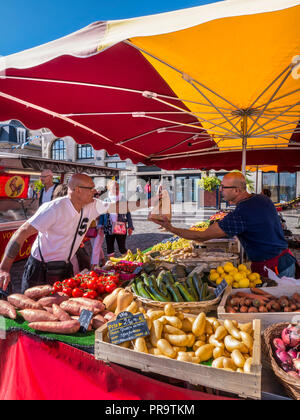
x,y
172,107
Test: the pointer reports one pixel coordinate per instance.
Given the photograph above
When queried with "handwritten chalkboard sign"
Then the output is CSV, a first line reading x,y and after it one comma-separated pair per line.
x,y
127,327
85,320
220,288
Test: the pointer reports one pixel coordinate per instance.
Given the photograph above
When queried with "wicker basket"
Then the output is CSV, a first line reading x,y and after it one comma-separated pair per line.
x,y
188,307
291,385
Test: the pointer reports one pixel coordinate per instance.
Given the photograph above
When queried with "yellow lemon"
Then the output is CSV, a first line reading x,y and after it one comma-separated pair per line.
x,y
213,270
242,267
219,281
214,277
228,267
257,276
220,270
258,282
252,277
244,283
229,279
237,277
248,272
233,271
235,285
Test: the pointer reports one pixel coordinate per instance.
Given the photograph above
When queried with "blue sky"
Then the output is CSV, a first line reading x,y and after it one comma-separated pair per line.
x,y
28,23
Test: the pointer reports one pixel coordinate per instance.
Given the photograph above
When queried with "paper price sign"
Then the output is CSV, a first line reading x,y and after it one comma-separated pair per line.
x,y
127,327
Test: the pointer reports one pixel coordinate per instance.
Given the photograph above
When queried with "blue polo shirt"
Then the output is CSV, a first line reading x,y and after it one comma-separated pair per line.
x,y
257,225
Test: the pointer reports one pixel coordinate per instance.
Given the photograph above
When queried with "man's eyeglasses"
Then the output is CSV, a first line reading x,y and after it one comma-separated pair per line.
x,y
222,187
86,188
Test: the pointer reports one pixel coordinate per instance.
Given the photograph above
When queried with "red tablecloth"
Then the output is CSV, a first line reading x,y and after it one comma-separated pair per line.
x,y
33,369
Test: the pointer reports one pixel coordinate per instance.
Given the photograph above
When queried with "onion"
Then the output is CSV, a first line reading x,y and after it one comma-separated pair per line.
x,y
279,344
291,336
292,353
283,357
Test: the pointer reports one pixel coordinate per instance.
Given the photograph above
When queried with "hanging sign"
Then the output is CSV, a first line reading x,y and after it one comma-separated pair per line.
x,y
14,186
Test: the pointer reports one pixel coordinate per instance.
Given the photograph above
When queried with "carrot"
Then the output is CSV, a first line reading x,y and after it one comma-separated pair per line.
x,y
243,309
252,310
261,292
262,299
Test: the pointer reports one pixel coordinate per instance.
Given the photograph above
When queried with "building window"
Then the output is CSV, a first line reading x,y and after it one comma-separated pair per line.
x,y
118,165
85,151
282,186
58,151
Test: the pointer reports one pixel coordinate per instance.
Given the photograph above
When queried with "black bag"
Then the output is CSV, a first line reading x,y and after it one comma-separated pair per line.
x,y
58,270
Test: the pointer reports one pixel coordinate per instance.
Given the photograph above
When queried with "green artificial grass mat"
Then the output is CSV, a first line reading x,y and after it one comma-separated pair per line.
x,y
77,340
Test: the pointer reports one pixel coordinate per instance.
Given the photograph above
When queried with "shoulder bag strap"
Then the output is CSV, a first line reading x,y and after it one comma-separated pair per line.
x,y
74,240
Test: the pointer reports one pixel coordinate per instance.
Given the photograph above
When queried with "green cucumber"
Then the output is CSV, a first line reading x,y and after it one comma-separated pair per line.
x,y
184,292
197,284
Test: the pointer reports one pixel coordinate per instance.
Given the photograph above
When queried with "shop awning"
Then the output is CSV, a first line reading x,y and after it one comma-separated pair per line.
x,y
29,163
190,88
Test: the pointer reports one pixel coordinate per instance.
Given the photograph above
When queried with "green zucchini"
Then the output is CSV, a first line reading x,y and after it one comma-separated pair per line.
x,y
158,295
174,292
141,289
184,292
191,289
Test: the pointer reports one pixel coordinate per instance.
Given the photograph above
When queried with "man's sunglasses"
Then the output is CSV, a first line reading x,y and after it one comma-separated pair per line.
x,y
222,187
86,188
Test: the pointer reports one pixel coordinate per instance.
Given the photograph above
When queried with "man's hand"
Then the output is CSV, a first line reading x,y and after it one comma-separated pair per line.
x,y
163,221
130,231
4,279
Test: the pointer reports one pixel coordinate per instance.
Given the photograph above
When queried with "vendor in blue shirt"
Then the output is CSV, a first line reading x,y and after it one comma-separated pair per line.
x,y
254,221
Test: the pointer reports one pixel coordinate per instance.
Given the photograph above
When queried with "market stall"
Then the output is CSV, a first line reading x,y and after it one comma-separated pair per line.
x,y
184,116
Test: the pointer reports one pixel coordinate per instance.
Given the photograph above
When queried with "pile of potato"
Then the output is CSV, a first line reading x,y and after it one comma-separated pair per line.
x,y
182,337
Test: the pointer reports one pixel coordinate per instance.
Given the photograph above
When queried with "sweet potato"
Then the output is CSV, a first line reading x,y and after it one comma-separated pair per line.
x,y
89,302
56,299
262,309
7,310
230,310
38,292
66,327
37,315
60,313
23,302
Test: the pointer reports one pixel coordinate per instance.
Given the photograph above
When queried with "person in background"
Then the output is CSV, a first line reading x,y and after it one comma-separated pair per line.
x,y
110,222
47,191
98,257
60,191
32,192
147,190
255,222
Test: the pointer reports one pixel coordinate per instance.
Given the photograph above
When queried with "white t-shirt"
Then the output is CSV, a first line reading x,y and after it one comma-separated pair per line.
x,y
47,195
57,222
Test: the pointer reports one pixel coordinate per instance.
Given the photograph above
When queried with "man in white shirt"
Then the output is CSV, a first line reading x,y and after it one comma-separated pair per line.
x,y
61,225
46,194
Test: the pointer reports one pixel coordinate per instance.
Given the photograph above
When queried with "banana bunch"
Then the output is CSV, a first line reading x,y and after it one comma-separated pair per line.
x,y
138,257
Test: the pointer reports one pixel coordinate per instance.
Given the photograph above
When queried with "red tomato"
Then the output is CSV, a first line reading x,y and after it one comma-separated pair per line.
x,y
58,286
83,285
93,274
90,294
100,288
110,287
67,291
92,284
76,293
71,283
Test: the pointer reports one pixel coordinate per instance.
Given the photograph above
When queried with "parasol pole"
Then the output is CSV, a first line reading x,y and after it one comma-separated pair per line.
x,y
244,150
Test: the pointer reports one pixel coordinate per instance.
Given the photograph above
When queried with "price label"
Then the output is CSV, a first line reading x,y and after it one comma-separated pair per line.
x,y
127,327
220,288
85,320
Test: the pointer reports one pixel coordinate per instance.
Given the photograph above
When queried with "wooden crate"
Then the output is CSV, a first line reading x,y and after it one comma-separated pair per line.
x,y
266,318
243,384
